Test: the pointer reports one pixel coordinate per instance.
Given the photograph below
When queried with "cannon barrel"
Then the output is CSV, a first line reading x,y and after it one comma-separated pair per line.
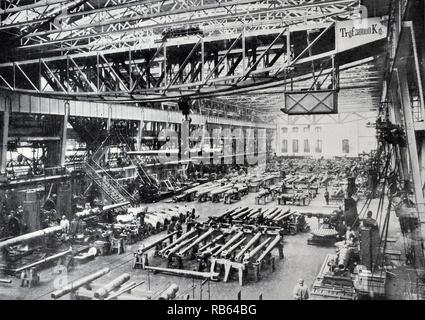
x,y
5,281
30,236
126,288
197,188
78,283
181,272
226,253
239,211
96,211
183,236
253,212
210,251
220,190
202,237
114,284
257,249
169,293
230,242
283,215
214,241
179,246
145,248
45,260
343,257
227,212
115,206
259,212
269,248
243,214
206,190
248,245
88,212
282,212
271,212
274,214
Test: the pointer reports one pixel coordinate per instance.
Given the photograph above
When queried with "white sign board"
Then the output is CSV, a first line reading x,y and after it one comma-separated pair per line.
x,y
350,34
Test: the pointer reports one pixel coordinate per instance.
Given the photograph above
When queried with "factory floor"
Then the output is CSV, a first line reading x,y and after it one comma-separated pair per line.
x,y
300,261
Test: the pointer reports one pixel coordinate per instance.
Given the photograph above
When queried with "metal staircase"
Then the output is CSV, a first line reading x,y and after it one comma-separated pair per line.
x,y
108,184
112,188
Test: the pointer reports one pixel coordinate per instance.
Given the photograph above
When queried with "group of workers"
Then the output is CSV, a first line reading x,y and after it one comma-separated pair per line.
x,y
16,223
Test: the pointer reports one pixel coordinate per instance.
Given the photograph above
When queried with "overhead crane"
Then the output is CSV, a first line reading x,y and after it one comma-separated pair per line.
x,y
253,43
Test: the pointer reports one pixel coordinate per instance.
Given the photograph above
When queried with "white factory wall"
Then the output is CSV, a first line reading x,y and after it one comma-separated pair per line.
x,y
330,136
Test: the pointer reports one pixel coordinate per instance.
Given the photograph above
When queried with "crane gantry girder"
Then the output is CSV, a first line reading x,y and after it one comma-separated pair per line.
x,y
86,22
204,66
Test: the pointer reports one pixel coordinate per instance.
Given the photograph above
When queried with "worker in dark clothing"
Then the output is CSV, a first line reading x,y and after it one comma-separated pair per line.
x,y
179,228
351,214
283,188
109,216
142,218
21,219
171,227
73,227
189,224
369,222
13,225
260,219
339,216
142,226
326,195
193,252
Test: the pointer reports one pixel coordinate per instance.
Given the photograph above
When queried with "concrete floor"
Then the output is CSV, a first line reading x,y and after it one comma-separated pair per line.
x,y
301,261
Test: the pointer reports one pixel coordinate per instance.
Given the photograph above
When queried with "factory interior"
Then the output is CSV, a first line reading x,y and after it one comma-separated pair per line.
x,y
212,150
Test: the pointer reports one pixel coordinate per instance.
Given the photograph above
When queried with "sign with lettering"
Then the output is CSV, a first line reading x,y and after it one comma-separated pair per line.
x,y
350,34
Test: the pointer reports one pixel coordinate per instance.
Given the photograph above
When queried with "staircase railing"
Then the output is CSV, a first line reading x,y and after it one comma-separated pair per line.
x,y
104,179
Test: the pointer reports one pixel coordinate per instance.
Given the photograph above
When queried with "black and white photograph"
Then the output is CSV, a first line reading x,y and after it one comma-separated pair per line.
x,y
223,151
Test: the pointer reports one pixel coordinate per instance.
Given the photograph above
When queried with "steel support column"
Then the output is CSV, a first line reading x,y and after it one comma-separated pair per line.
x,y
422,161
414,160
64,136
184,139
4,137
412,147
139,135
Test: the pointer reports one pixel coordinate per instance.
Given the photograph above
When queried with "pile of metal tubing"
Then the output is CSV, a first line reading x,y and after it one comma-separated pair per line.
x,y
283,218
205,251
119,288
213,191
